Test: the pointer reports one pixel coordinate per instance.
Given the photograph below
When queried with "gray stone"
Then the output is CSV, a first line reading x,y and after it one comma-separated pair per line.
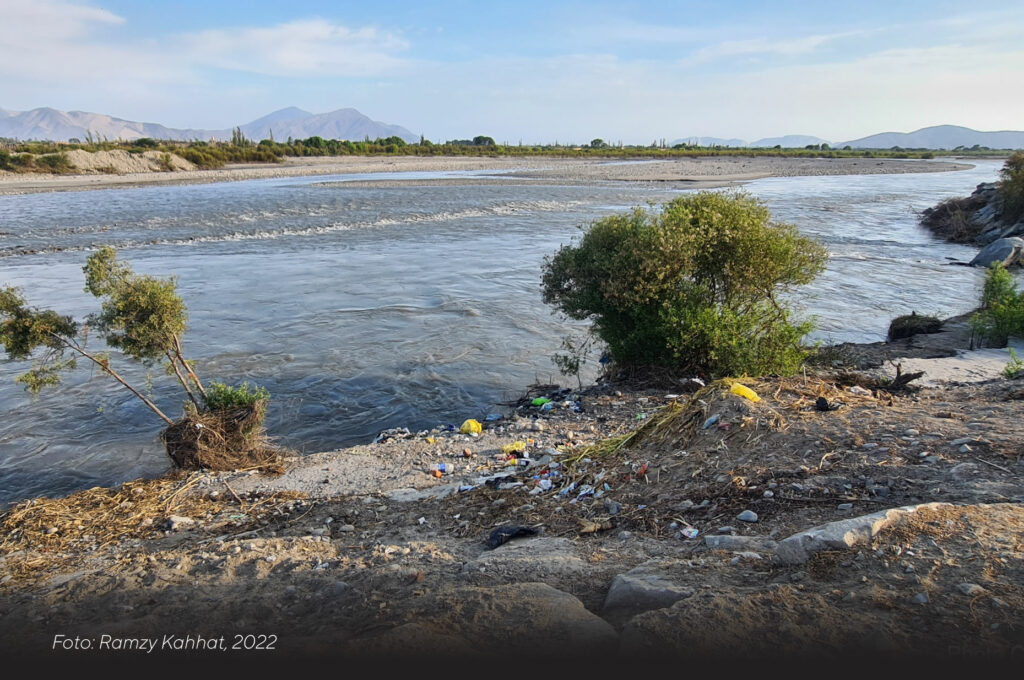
x,y
640,591
536,558
1005,250
842,534
179,523
340,588
964,471
747,516
920,598
612,507
971,589
740,543
844,507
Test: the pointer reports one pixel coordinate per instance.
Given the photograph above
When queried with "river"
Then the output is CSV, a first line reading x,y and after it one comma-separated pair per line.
x,y
363,308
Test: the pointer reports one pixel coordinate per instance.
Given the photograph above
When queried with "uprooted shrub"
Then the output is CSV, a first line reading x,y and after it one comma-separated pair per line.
x,y
696,286
144,318
912,324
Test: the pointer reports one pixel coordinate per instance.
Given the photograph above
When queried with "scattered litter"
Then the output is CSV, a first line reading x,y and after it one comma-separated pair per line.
x,y
744,391
503,535
540,401
492,417
822,404
514,447
591,527
711,421
690,532
471,427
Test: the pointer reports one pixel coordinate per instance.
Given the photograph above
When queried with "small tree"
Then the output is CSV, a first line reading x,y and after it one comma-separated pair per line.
x,y
1011,187
1001,314
694,287
144,318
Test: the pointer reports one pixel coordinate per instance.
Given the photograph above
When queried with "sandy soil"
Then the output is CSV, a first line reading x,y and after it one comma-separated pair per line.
x,y
712,171
638,552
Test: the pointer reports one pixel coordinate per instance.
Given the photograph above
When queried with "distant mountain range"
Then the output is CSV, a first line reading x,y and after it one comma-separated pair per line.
x,y
788,142
940,137
937,137
51,124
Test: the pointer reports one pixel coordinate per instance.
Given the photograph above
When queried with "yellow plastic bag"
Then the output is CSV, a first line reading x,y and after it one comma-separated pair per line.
x,y
514,447
744,391
471,427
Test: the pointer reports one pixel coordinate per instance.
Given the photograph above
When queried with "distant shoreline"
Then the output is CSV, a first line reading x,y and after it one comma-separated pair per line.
x,y
705,172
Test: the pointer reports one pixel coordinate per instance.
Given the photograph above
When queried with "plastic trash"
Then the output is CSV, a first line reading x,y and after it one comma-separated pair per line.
x,y
471,427
540,401
492,417
744,391
514,447
547,406
711,421
822,404
503,535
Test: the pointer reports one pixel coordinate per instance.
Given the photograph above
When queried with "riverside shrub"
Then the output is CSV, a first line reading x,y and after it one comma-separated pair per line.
x,y
694,286
1002,307
1011,186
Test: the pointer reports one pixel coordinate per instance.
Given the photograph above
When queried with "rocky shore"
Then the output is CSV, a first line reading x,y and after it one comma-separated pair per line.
x,y
979,219
836,517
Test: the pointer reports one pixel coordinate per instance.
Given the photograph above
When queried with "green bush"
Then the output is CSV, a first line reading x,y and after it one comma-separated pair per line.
x,y
1011,186
1002,307
695,286
221,397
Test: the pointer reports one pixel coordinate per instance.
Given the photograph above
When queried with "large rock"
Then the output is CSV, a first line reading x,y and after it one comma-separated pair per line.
x,y
516,622
535,559
842,535
642,589
729,625
1006,250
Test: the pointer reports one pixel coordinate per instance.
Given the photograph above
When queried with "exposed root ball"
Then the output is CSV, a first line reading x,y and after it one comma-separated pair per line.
x,y
229,439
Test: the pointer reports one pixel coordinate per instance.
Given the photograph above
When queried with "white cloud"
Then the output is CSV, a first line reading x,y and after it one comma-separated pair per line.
x,y
311,47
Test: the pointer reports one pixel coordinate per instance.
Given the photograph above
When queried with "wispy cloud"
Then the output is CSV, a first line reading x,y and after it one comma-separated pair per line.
x,y
310,47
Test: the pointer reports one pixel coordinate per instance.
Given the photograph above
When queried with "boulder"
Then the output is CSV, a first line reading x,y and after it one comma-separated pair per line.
x,y
1009,251
640,590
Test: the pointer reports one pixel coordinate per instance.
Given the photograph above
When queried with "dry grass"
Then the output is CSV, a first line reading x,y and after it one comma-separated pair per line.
x,y
229,439
42,534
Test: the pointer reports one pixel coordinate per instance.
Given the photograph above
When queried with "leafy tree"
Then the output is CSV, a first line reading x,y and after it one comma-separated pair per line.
x,y
695,286
1011,187
481,140
142,316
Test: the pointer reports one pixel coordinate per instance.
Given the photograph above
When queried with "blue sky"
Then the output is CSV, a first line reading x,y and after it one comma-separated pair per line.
x,y
531,71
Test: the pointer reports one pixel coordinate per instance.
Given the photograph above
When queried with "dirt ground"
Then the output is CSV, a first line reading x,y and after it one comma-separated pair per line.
x,y
647,523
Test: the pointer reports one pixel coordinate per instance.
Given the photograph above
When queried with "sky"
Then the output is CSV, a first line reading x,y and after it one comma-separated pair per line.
x,y
526,71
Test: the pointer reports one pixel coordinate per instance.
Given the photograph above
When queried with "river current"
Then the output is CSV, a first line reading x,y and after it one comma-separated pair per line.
x,y
366,307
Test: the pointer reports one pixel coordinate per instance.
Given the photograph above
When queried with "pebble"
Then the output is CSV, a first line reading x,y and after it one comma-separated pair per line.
x,y
177,523
844,507
912,432
747,516
340,587
870,445
769,494
971,589
271,558
346,528
726,530
51,531
612,507
920,598
538,426
961,440
965,449
235,549
932,459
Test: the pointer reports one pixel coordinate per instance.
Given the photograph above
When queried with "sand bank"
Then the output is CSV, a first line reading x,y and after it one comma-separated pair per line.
x,y
689,172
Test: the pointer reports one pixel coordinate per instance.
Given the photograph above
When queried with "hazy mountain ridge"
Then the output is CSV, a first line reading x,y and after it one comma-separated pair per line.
x,y
940,137
936,137
50,124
